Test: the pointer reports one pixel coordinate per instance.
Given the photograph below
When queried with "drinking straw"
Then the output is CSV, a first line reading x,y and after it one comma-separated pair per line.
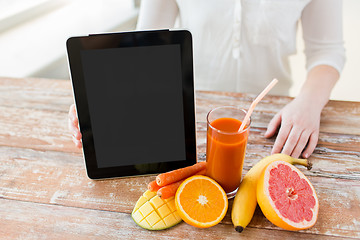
x,y
255,102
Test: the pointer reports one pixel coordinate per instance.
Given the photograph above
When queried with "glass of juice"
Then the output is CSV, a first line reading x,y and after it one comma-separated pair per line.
x,y
226,146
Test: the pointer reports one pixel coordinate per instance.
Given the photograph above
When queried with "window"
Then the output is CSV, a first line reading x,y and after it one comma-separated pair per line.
x,y
17,11
33,33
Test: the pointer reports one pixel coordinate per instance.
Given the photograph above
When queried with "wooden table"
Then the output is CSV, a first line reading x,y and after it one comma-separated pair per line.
x,y
45,193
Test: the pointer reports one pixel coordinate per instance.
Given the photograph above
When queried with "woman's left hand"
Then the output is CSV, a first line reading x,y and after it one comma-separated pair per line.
x,y
298,123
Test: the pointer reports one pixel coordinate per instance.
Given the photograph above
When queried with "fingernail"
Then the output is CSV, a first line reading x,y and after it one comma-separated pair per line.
x,y
306,155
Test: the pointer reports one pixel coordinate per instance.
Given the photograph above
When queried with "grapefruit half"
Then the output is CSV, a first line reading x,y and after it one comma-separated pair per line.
x,y
286,197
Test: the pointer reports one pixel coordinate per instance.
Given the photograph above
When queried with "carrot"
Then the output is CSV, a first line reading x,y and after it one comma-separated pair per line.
x,y
169,190
153,187
201,172
179,174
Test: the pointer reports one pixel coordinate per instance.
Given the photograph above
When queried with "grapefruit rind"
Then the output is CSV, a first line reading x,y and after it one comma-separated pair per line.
x,y
186,217
153,213
268,207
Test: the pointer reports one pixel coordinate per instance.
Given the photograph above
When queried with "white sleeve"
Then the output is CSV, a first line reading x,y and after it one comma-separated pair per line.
x,y
322,32
157,14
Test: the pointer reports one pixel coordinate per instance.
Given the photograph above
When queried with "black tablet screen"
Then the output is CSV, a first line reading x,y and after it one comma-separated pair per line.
x,y
136,104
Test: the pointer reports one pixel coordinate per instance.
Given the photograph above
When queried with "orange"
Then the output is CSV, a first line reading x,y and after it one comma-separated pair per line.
x,y
286,197
201,201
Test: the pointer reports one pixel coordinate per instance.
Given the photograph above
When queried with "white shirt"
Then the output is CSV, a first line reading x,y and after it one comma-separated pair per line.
x,y
241,45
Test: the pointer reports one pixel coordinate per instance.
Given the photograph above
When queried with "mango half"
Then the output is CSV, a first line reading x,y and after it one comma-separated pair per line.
x,y
153,213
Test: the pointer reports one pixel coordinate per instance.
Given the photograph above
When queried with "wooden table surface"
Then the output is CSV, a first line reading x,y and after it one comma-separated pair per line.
x,y
46,194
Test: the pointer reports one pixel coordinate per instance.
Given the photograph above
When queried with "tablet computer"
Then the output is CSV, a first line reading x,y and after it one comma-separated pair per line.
x,y
134,96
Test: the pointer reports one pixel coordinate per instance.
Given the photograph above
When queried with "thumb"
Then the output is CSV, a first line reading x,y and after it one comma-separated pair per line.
x,y
273,125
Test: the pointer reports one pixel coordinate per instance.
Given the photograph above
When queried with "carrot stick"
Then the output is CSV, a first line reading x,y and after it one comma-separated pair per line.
x,y
153,187
201,172
169,190
179,174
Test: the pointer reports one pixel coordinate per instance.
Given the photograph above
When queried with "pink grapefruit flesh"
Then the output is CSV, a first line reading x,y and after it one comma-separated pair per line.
x,y
286,197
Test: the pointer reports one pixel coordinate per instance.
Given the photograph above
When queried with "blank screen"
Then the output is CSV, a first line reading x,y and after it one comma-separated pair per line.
x,y
136,104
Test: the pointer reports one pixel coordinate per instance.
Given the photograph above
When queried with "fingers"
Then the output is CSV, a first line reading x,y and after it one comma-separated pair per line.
x,y
292,141
73,122
302,141
73,125
273,125
72,114
299,125
281,138
311,144
74,130
295,143
77,142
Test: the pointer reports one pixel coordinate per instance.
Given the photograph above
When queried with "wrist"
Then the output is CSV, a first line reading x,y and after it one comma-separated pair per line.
x,y
318,86
314,99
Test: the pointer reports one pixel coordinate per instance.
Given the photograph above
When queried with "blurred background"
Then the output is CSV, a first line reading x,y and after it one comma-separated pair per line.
x,y
33,35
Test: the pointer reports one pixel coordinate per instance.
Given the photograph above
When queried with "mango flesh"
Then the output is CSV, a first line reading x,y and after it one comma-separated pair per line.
x,y
153,213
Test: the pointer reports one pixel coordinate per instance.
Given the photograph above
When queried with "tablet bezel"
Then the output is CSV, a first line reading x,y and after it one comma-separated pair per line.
x,y
132,39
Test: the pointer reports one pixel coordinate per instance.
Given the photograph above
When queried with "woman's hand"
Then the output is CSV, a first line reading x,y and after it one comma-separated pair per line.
x,y
73,123
299,123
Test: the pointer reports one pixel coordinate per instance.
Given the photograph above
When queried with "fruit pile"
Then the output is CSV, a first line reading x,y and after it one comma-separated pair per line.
x,y
285,196
199,200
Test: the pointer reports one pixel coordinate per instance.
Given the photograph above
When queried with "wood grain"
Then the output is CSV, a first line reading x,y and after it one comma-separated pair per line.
x,y
60,178
46,194
59,222
30,93
337,117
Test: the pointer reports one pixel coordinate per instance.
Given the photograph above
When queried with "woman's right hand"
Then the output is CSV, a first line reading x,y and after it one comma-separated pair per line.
x,y
73,123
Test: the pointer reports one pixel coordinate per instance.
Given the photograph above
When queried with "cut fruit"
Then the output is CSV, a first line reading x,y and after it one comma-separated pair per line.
x,y
153,213
201,202
286,197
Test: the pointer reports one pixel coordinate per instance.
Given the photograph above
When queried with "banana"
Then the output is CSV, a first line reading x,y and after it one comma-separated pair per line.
x,y
245,200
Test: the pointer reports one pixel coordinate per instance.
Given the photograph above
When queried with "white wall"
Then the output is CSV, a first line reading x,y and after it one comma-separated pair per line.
x,y
24,53
348,87
36,47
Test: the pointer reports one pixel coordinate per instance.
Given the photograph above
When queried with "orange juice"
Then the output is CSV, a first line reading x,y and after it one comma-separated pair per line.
x,y
225,152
